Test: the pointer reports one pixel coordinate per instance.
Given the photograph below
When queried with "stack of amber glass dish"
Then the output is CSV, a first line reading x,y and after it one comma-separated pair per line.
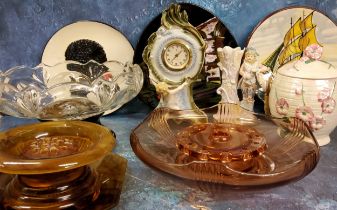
x,y
226,144
59,165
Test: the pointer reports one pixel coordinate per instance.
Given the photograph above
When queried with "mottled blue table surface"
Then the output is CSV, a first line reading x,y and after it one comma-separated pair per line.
x,y
146,188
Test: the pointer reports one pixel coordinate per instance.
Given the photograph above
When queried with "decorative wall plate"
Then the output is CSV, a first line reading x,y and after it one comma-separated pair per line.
x,y
87,40
214,33
232,146
284,34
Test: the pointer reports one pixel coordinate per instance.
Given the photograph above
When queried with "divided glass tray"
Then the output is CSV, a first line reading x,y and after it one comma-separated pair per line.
x,y
226,144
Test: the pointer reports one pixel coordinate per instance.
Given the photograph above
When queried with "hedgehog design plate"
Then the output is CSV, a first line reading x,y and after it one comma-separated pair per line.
x,y
84,41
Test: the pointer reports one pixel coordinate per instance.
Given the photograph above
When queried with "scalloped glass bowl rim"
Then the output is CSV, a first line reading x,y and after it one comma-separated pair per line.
x,y
104,109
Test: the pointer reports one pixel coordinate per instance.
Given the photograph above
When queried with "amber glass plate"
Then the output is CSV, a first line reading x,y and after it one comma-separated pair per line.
x,y
59,165
226,144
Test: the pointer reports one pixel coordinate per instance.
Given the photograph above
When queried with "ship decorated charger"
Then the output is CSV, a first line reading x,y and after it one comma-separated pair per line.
x,y
306,89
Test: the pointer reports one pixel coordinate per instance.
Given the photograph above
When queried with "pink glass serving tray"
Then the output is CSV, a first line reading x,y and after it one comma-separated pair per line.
x,y
226,144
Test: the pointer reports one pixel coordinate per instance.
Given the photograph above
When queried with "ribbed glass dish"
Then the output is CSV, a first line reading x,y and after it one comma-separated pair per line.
x,y
69,90
226,144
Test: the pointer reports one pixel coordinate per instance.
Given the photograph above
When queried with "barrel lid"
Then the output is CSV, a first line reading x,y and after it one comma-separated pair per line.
x,y
309,66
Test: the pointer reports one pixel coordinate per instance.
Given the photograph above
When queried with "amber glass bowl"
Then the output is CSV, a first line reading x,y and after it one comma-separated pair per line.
x,y
55,164
226,144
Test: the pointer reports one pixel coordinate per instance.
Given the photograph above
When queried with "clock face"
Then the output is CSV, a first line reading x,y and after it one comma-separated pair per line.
x,y
176,56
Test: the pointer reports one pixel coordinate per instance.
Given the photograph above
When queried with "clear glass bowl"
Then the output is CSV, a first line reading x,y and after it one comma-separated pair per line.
x,y
226,144
69,90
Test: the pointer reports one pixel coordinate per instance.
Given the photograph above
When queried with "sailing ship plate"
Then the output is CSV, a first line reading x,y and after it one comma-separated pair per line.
x,y
283,35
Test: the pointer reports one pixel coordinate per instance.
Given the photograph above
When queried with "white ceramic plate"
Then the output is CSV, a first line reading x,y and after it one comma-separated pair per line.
x,y
270,32
115,45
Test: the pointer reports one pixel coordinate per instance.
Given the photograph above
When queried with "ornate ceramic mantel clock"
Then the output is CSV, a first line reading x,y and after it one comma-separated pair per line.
x,y
175,56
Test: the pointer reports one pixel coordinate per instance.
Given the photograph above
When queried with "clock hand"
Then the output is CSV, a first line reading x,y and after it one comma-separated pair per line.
x,y
176,55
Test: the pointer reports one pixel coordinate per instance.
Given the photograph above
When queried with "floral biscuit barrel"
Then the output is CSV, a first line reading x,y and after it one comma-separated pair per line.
x,y
306,89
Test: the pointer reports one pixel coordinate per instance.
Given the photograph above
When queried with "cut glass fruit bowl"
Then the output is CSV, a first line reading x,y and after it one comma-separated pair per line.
x,y
59,165
226,144
69,90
